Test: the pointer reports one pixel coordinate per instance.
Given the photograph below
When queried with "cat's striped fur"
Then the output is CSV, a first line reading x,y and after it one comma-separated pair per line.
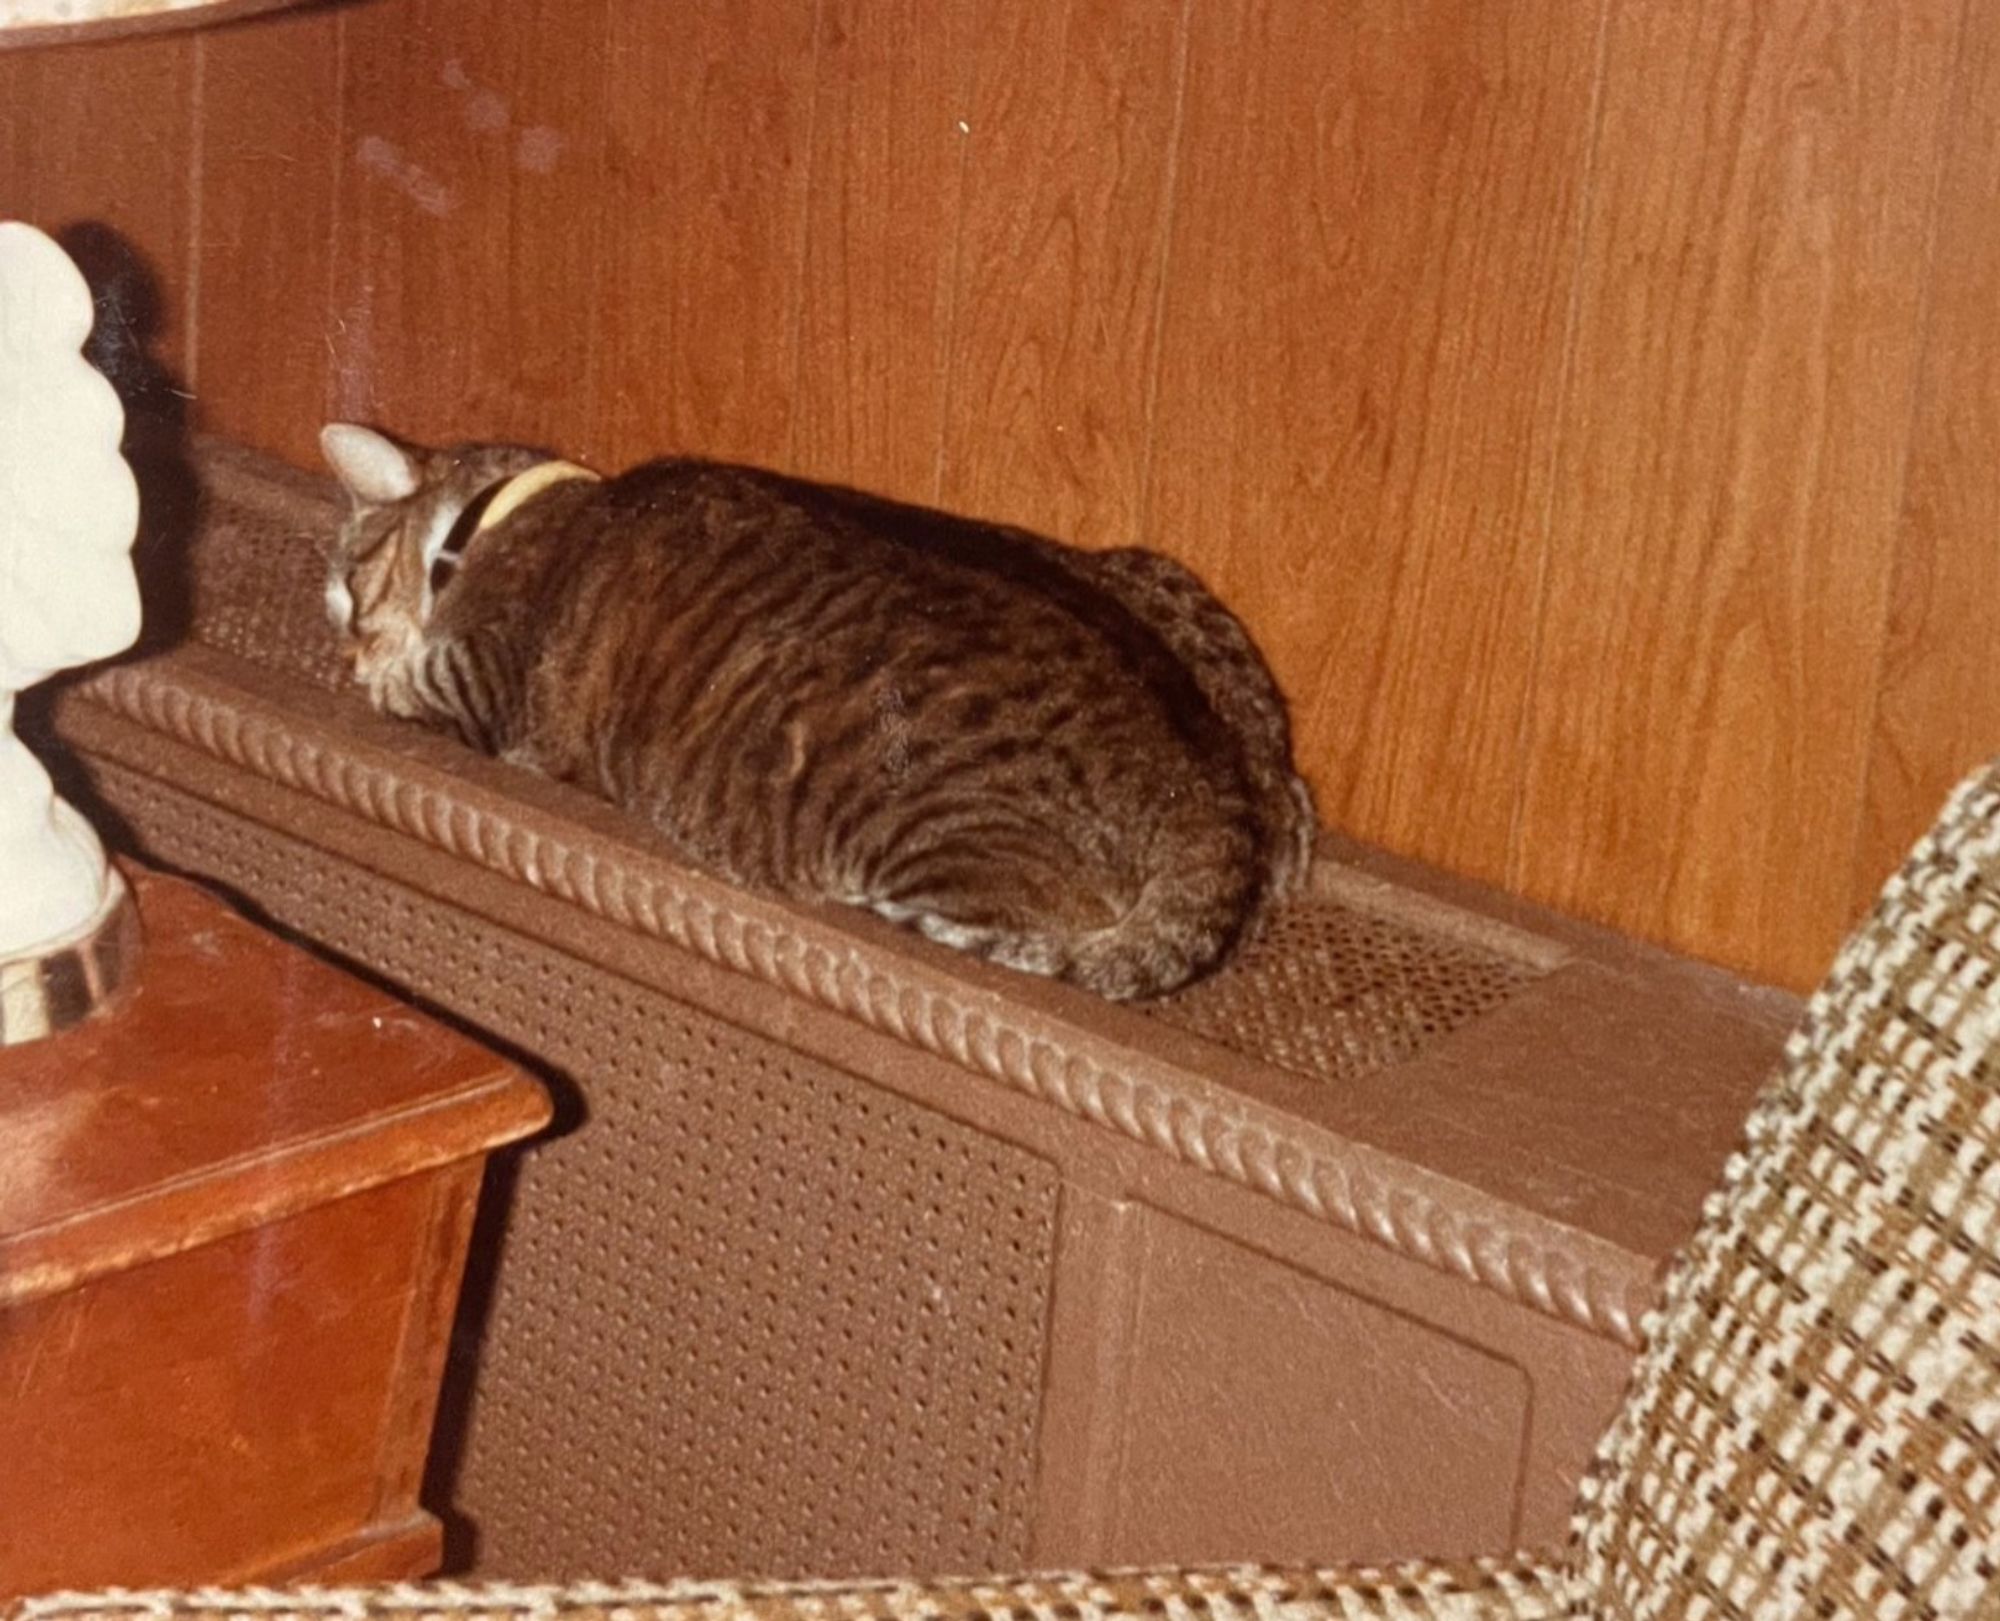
x,y
1071,762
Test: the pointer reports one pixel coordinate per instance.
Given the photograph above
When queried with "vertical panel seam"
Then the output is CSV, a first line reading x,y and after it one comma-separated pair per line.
x,y
336,236
946,390
1860,884
1138,1245
1171,185
593,369
197,184
1526,729
800,290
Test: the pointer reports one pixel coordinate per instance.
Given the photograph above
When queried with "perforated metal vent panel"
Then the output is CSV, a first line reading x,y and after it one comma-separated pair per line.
x,y
1331,991
255,581
751,1316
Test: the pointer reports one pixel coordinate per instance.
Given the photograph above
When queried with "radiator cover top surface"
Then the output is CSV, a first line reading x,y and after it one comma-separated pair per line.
x,y
1328,992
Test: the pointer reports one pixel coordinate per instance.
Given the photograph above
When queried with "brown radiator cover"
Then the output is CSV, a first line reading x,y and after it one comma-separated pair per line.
x,y
849,1254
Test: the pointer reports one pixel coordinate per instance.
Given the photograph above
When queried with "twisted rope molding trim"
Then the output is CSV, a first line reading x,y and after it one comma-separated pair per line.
x,y
1353,1196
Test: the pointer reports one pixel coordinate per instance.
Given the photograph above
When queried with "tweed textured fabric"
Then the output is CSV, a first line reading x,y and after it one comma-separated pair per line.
x,y
1476,1590
1814,1429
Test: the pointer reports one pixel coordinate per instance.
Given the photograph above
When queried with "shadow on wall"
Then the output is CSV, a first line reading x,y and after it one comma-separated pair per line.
x,y
127,293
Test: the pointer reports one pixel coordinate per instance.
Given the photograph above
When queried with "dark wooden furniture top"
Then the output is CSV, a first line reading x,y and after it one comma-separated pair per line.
x,y
243,1081
233,1218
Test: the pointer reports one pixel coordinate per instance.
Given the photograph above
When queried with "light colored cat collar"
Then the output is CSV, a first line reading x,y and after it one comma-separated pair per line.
x,y
525,486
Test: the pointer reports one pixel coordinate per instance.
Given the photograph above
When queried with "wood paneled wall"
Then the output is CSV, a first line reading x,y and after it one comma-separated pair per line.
x,y
1592,405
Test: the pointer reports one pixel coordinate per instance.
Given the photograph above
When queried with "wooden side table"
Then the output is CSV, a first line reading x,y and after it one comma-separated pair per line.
x,y
233,1218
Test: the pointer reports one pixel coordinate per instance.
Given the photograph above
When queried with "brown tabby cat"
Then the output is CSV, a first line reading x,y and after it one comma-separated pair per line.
x,y
1074,763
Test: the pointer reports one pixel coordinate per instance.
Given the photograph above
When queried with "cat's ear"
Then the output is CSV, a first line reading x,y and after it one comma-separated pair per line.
x,y
375,469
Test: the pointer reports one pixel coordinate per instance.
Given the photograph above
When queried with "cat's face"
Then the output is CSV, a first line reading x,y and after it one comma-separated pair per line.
x,y
407,520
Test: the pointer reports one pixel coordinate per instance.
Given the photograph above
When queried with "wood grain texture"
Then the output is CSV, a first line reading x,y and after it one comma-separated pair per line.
x,y
138,1137
1070,136
20,158
875,301
1937,698
1732,442
1541,382
1373,245
268,171
465,287
232,1224
709,121
98,140
215,1415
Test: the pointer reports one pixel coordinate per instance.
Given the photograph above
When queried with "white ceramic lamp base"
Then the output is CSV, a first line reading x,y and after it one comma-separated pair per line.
x,y
68,513
64,982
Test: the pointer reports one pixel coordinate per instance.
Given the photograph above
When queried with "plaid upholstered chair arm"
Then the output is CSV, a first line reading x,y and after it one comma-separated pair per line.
x,y
1478,1590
